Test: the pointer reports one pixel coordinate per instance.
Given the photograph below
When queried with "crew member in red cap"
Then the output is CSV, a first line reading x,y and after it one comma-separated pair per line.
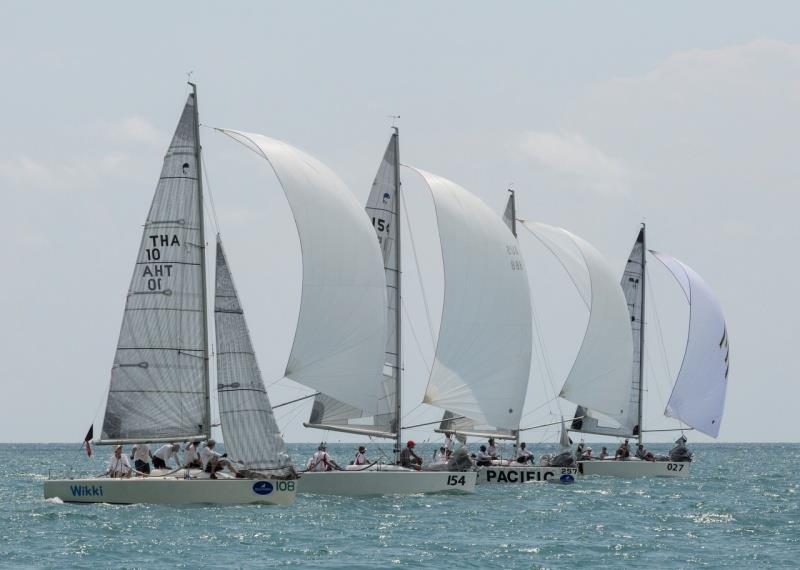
x,y
408,458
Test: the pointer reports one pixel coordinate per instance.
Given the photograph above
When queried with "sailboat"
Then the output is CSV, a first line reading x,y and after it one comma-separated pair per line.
x,y
160,389
604,355
483,337
380,418
698,395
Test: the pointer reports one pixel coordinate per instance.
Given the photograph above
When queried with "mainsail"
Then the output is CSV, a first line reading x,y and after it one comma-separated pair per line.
x,y
341,329
252,437
600,377
698,397
159,384
587,420
380,419
483,352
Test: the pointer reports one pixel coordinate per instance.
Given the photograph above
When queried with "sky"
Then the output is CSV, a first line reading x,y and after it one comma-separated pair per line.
x,y
601,116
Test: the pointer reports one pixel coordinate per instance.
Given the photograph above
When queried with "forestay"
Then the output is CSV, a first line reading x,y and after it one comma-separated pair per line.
x,y
632,283
381,418
698,397
251,434
483,352
600,377
158,387
341,329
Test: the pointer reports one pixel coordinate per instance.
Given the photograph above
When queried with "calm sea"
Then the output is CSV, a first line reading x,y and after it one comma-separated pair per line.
x,y
740,508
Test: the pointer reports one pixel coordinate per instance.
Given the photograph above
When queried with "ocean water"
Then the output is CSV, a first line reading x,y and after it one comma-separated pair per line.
x,y
739,509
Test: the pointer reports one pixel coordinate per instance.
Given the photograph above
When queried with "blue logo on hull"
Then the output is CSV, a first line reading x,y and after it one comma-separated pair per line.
x,y
567,478
262,487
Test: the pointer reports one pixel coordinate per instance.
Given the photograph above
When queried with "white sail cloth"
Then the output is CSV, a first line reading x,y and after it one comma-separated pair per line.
x,y
698,397
483,352
158,386
252,437
600,378
341,330
382,210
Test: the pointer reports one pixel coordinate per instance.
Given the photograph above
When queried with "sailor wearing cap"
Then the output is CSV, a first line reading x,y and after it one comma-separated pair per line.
x,y
408,458
321,461
361,456
119,465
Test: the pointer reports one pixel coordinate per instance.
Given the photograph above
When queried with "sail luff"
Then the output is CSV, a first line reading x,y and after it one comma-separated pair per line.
x,y
640,423
203,269
398,302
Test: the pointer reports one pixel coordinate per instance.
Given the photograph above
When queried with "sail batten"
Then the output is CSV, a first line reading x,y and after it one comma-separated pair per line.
x,y
483,352
158,387
340,335
698,397
252,437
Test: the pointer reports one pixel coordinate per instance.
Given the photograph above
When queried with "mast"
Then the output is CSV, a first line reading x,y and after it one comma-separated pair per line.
x,y
512,199
202,245
641,338
398,395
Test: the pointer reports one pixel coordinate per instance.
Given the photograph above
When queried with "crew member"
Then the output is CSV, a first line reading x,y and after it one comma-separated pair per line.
x,y
523,455
361,456
142,455
483,459
321,461
408,458
164,453
119,466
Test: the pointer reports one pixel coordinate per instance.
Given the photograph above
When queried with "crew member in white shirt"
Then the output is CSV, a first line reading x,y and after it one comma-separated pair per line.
x,y
483,459
119,466
191,457
214,462
523,455
448,444
492,449
361,456
440,456
164,453
321,461
141,457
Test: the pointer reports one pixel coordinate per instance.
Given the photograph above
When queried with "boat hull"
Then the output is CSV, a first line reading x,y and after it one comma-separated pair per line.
x,y
376,482
634,468
172,491
525,474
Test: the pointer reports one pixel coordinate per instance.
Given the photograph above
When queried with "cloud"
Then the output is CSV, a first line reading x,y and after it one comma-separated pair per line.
x,y
24,173
572,155
135,130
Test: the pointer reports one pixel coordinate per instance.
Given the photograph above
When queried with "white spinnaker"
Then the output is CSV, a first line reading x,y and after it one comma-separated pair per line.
x,y
600,378
252,437
158,386
341,330
698,397
383,213
483,353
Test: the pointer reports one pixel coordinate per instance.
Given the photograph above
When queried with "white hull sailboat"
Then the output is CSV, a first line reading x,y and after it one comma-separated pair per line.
x,y
172,490
381,479
698,395
373,408
159,388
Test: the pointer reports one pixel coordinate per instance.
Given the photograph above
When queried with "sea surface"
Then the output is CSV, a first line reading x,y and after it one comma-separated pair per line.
x,y
740,508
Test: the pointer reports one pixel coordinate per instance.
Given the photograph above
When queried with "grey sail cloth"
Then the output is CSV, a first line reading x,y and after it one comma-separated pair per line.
x,y
382,211
586,420
462,426
252,437
158,385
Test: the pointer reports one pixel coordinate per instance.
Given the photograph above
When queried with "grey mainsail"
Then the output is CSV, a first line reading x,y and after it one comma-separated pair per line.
x,y
251,434
328,412
159,379
589,421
